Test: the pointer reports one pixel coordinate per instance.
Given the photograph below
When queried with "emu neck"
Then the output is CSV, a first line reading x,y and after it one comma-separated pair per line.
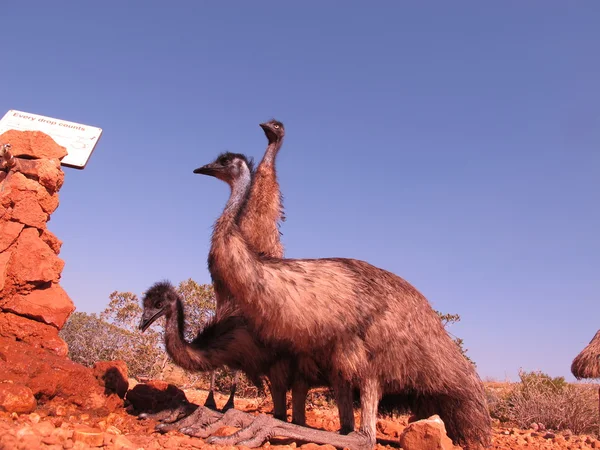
x,y
239,195
271,152
182,353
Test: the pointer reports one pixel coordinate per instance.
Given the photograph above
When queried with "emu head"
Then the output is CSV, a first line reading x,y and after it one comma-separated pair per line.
x,y
274,130
228,167
157,301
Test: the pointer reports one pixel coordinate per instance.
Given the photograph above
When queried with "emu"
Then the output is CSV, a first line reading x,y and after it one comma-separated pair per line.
x,y
365,326
227,339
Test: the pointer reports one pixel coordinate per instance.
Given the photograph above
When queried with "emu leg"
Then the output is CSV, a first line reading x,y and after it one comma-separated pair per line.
x,y
278,392
172,414
345,403
299,393
229,405
264,427
210,400
369,400
202,415
232,418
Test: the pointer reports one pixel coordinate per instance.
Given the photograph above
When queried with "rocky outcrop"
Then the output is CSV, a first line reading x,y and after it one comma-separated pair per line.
x,y
29,264
34,369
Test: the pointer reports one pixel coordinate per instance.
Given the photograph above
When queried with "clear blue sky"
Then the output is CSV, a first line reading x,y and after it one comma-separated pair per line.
x,y
453,143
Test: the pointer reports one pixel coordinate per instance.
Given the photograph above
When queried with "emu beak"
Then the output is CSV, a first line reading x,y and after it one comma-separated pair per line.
x,y
146,321
211,169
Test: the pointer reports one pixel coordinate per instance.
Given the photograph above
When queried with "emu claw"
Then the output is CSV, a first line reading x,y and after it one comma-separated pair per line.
x,y
232,417
264,427
202,416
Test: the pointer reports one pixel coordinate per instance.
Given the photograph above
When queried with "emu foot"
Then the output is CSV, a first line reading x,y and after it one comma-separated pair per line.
x,y
232,418
201,416
229,405
264,428
210,401
170,415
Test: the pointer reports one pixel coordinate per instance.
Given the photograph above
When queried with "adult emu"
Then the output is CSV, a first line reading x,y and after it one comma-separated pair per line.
x,y
363,324
227,340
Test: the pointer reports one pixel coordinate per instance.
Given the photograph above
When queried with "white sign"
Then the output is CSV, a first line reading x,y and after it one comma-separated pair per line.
x,y
79,140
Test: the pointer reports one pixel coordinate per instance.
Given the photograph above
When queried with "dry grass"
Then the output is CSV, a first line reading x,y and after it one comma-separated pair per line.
x,y
552,402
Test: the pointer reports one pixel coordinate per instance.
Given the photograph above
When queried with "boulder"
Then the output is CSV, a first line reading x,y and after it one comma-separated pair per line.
x,y
112,375
52,378
51,305
37,334
427,434
16,398
46,172
9,231
33,262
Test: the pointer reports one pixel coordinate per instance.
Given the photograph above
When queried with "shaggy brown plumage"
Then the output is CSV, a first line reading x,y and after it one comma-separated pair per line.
x,y
227,340
363,325
587,363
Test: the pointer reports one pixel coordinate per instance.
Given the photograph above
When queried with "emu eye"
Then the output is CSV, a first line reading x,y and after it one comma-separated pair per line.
x,y
159,305
276,126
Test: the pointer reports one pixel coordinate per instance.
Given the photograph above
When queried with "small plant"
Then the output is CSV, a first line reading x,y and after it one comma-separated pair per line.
x,y
540,398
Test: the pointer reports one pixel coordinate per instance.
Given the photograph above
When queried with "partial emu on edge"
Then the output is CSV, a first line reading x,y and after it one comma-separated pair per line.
x,y
367,326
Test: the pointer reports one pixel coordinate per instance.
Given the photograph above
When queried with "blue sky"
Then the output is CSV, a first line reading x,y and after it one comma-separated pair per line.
x,y
454,144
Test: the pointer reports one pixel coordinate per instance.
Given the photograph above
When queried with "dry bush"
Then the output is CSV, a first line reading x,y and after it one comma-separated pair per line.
x,y
556,404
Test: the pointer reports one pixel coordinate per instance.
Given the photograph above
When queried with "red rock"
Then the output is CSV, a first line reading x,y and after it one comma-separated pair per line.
x,y
112,375
16,398
89,436
9,231
29,212
427,434
122,443
390,428
45,171
19,188
52,305
51,378
34,144
4,259
51,240
155,396
34,333
33,261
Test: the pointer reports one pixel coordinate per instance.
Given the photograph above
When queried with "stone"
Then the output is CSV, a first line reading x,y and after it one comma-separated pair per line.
x,y
33,261
4,260
122,443
45,428
426,434
33,144
19,189
390,428
51,240
51,305
51,378
37,334
89,436
155,396
28,211
46,172
16,398
112,375
9,231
